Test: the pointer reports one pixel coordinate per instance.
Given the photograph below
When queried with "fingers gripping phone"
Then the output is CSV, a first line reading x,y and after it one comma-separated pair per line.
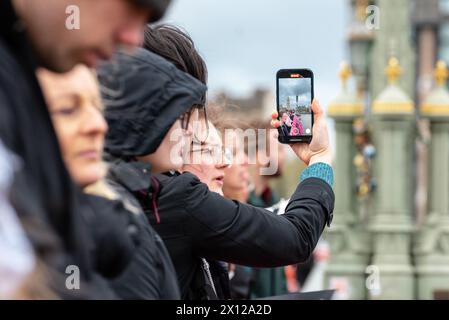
x,y
294,96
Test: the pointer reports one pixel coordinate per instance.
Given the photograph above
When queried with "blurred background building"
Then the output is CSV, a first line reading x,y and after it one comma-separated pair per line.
x,y
390,235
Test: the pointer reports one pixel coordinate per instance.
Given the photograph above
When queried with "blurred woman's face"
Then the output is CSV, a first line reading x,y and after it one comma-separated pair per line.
x,y
207,161
75,106
236,178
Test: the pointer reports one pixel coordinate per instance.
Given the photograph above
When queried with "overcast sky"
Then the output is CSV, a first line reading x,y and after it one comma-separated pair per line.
x,y
244,42
294,87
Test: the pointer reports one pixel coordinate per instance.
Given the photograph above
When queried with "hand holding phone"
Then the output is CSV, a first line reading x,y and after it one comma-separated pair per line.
x,y
318,150
294,95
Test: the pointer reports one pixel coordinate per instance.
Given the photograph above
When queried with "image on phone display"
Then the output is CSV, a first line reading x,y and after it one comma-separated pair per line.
x,y
295,103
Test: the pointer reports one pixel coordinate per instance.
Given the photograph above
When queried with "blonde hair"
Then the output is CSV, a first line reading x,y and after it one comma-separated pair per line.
x,y
102,188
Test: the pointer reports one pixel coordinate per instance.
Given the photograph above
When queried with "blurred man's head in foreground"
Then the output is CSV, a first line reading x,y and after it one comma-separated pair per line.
x,y
66,32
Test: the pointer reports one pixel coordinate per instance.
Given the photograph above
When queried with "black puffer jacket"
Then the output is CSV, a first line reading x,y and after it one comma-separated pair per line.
x,y
111,245
150,274
144,95
195,222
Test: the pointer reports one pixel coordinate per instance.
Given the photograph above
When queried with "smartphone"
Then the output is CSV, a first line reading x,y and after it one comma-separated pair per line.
x,y
294,95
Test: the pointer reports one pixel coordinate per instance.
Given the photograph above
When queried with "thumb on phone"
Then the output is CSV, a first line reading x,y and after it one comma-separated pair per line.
x,y
318,112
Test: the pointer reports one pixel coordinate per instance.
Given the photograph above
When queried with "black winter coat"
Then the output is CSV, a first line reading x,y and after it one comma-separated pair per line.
x,y
151,274
195,222
114,235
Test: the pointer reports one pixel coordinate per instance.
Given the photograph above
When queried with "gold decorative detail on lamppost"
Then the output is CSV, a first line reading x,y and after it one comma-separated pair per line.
x,y
360,9
393,70
393,100
436,104
344,73
441,73
346,103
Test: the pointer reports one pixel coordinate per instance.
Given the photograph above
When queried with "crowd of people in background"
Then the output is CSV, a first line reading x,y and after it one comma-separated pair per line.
x,y
116,179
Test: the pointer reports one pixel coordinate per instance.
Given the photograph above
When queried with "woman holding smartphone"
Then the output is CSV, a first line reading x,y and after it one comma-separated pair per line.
x,y
197,223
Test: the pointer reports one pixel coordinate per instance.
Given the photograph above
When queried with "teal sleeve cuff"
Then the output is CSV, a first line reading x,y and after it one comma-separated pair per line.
x,y
319,170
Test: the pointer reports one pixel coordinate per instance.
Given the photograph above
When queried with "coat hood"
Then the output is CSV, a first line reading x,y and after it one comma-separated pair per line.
x,y
143,95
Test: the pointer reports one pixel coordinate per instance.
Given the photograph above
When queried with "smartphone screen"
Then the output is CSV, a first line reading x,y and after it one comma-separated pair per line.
x,y
294,103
